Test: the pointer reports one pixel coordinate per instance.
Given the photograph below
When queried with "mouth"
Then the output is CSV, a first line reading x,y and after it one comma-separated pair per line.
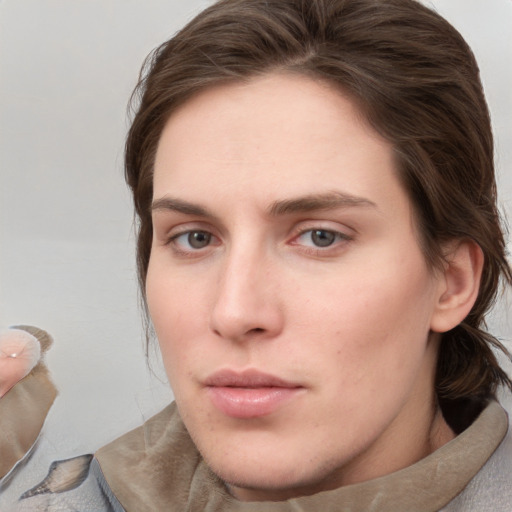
x,y
249,394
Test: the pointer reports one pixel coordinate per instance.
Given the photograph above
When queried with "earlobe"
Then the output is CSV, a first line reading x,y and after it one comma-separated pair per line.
x,y
459,285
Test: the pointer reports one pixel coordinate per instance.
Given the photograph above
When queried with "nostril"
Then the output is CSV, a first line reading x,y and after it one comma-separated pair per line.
x,y
256,330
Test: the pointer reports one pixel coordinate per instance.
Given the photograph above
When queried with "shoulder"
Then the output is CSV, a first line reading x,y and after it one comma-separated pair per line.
x,y
72,484
153,466
149,468
490,490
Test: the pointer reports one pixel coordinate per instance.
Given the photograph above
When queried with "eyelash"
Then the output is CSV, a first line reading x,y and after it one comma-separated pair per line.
x,y
316,250
173,240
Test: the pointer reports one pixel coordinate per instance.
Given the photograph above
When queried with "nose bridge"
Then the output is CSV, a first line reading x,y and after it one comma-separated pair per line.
x,y
246,302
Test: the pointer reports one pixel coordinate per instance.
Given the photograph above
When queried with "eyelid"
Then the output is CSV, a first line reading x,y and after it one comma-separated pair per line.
x,y
173,235
180,251
179,234
323,225
344,234
169,228
340,234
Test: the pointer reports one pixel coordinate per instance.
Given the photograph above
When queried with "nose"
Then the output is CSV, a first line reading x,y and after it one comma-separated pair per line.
x,y
247,305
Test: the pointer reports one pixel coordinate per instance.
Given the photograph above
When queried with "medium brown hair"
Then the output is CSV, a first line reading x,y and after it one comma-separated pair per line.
x,y
417,83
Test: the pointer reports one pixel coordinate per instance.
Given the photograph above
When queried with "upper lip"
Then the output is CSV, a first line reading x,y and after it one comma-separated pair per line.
x,y
247,379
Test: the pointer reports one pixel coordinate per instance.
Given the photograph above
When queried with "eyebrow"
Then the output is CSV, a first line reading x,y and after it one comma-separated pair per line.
x,y
178,205
302,204
317,202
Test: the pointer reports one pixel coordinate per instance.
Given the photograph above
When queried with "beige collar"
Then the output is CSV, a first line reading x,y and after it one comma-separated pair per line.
x,y
157,467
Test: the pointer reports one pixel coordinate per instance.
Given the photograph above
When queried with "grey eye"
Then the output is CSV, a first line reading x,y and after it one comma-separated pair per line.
x,y
199,239
322,238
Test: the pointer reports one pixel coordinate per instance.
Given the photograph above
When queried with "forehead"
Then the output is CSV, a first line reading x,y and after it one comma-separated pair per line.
x,y
276,134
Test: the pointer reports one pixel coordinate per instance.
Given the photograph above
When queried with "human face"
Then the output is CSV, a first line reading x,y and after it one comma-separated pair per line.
x,y
289,295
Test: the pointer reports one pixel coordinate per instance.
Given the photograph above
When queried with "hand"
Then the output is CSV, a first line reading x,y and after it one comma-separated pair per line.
x,y
19,353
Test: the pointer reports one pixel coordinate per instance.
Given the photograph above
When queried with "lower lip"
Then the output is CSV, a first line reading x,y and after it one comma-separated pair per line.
x,y
246,403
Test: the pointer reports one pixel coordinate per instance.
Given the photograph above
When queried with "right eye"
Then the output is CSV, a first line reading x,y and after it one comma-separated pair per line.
x,y
190,241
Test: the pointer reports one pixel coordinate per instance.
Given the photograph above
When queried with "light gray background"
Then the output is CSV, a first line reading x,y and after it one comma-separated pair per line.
x,y
67,68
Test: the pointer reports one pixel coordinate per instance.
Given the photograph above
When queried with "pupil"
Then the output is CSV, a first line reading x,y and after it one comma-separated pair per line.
x,y
322,238
198,239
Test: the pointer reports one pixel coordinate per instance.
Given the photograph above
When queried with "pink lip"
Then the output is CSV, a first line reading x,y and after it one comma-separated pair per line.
x,y
249,394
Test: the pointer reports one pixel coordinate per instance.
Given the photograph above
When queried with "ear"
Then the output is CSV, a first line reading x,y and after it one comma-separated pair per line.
x,y
459,284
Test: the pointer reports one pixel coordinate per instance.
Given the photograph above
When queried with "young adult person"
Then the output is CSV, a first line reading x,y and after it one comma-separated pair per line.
x,y
318,246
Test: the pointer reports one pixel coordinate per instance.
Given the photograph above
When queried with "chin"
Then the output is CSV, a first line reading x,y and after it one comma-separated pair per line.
x,y
248,486
262,478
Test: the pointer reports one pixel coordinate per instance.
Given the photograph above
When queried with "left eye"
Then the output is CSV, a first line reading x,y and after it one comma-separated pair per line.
x,y
320,237
193,239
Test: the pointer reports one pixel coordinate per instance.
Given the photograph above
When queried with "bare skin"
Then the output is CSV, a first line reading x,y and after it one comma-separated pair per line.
x,y
19,353
297,318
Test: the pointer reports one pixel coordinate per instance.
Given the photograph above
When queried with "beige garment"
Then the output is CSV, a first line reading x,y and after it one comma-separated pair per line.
x,y
157,467
23,409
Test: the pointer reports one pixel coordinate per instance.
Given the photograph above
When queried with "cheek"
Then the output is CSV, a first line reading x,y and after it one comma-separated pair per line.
x,y
376,317
178,315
